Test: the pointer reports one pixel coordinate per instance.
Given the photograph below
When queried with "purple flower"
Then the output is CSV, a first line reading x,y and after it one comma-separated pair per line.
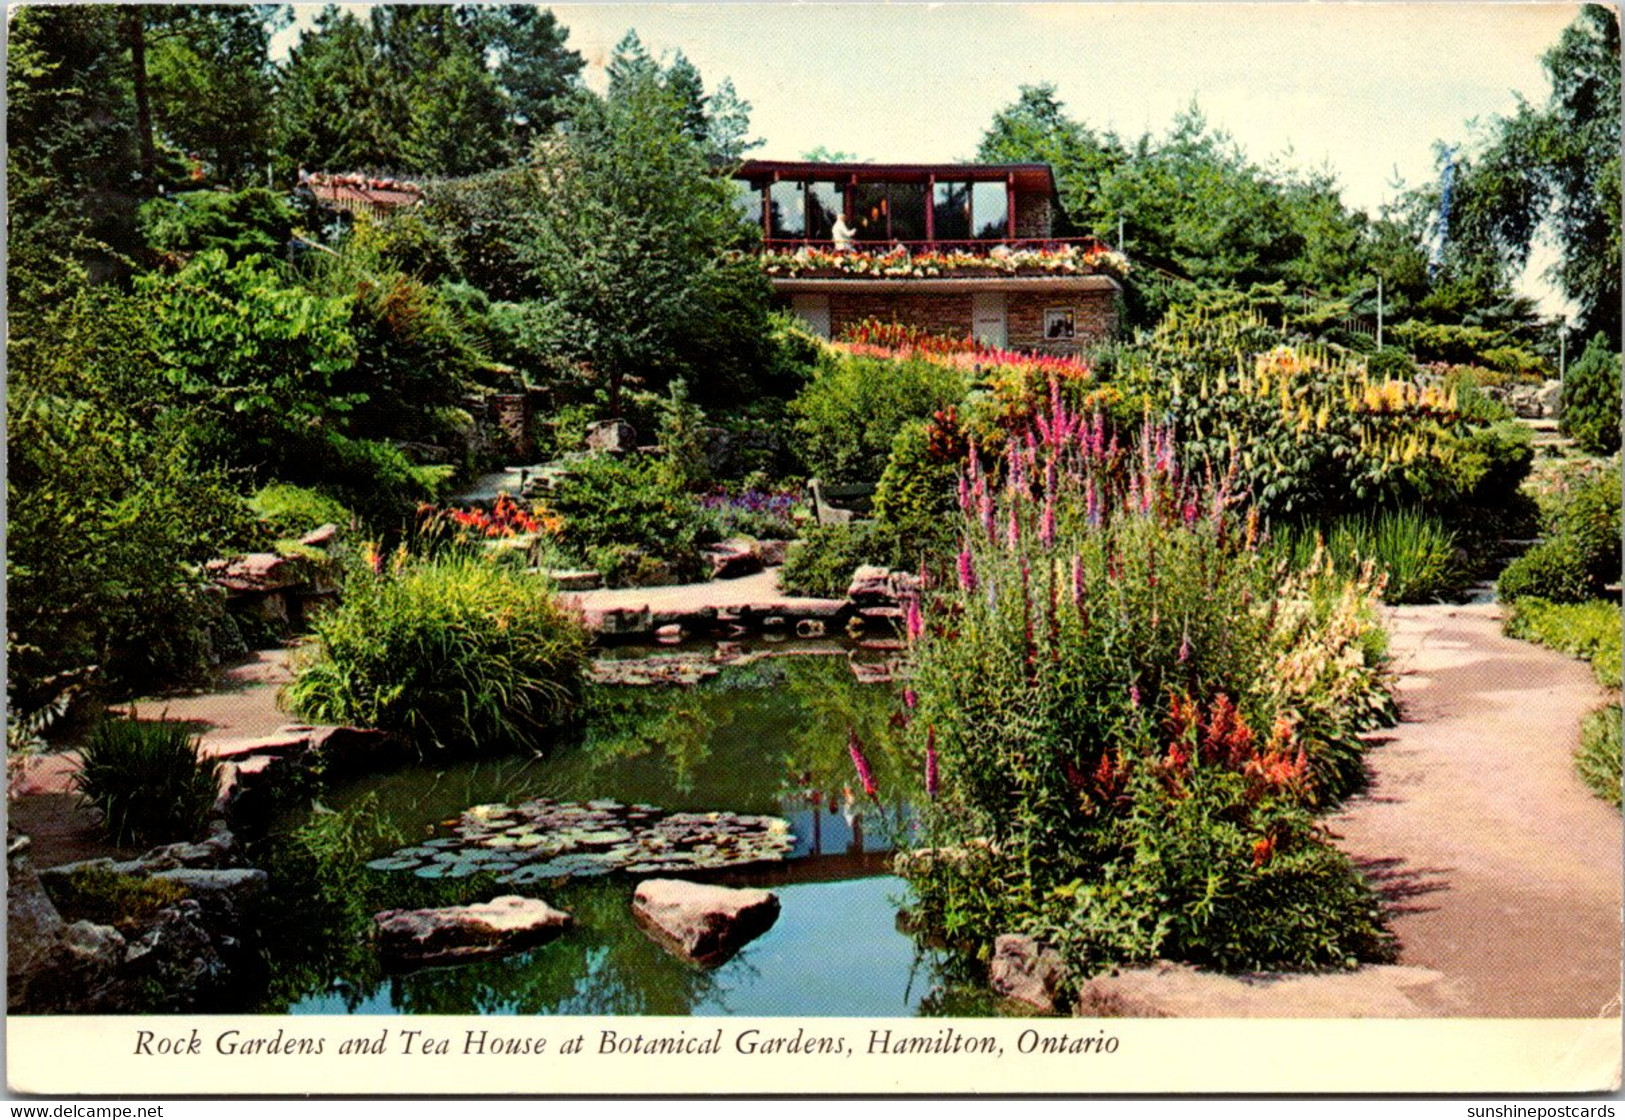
x,y
1185,648
1134,695
913,621
1077,580
967,571
1013,533
854,747
1046,527
910,698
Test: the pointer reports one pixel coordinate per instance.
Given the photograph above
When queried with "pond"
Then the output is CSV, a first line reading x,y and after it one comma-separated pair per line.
x,y
768,737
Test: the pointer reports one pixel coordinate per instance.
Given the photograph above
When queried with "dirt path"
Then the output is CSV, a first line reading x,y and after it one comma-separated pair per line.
x,y
1501,870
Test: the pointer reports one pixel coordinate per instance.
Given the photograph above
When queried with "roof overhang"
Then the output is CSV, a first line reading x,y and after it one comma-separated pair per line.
x,y
1028,177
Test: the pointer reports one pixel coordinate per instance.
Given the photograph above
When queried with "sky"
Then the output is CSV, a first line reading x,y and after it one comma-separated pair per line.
x,y
1361,89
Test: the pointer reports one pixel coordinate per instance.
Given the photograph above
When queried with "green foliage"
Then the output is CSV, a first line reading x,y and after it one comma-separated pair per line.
x,y
847,417
915,497
444,90
1591,400
293,511
1555,166
627,250
1554,570
1598,758
627,515
822,562
1588,630
1133,712
1414,553
453,653
146,780
1580,555
101,895
240,224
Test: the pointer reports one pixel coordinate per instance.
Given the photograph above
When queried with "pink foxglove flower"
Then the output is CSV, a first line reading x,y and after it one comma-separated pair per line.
x,y
854,747
913,620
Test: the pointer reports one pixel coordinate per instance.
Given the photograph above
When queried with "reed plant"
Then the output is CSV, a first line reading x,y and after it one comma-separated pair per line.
x,y
145,779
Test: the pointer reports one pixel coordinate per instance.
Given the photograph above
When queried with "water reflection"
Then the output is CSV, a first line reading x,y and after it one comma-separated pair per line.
x,y
769,737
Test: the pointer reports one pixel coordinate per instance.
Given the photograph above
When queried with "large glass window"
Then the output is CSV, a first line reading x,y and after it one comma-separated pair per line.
x,y
789,210
990,212
871,211
748,201
951,217
907,212
826,202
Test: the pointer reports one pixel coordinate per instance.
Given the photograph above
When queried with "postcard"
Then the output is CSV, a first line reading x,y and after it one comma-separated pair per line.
x,y
1038,548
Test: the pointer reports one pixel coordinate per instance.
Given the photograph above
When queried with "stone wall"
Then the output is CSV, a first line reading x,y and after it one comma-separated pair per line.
x,y
940,313
1094,315
502,426
1094,319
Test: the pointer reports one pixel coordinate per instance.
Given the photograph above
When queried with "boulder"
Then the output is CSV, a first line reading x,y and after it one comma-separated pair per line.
x,y
1550,398
574,579
52,965
731,559
1027,972
870,585
613,437
451,934
258,572
321,536
772,553
702,923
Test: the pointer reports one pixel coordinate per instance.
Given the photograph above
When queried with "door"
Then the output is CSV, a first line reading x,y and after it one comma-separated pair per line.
x,y
987,318
815,310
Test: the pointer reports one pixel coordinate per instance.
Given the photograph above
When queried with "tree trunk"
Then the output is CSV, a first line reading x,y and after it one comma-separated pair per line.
x,y
136,28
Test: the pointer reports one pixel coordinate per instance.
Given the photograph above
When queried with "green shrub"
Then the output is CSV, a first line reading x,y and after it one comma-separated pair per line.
x,y
293,511
848,416
146,780
1132,711
451,653
1415,552
1598,758
1581,553
239,224
1591,400
1554,570
822,562
915,497
1588,630
623,512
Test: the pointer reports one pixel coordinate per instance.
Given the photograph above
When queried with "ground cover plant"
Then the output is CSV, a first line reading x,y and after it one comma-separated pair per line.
x,y
452,652
1579,554
1590,631
1127,713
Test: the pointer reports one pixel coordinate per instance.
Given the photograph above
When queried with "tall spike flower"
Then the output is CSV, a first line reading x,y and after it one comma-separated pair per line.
x,y
1077,580
854,747
967,571
913,620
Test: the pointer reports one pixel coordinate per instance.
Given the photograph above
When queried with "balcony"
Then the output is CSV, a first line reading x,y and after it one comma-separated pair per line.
x,y
950,262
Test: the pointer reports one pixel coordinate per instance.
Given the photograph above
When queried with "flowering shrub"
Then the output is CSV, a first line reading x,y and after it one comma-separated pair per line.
x,y
1312,430
1129,711
1065,260
764,514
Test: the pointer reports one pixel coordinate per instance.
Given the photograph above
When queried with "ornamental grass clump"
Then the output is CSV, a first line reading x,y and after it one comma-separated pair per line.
x,y
145,779
452,652
1130,713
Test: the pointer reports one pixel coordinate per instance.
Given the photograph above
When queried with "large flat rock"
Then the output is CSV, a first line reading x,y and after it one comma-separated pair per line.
x,y
452,934
703,923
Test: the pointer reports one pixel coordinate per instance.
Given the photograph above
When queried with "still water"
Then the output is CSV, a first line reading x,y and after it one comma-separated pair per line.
x,y
771,738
